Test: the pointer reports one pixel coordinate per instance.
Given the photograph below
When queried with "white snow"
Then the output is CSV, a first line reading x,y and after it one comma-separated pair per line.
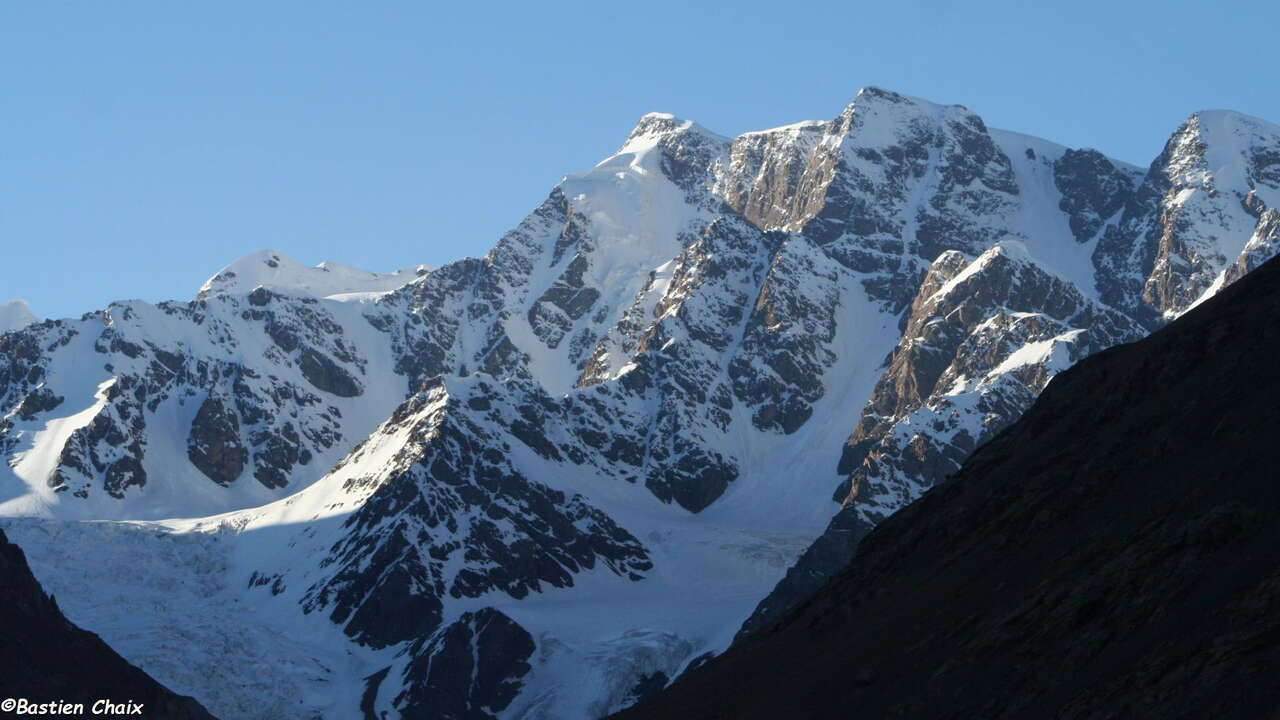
x,y
275,270
1052,354
175,488
636,216
1042,228
174,602
1228,137
801,126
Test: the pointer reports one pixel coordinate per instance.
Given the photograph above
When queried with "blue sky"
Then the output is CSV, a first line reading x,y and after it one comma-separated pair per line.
x,y
145,145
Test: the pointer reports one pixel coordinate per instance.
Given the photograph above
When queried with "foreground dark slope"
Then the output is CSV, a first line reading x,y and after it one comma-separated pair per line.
x,y
1115,553
44,658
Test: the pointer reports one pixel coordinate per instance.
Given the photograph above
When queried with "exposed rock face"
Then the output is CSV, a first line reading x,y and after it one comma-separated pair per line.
x,y
1200,202
469,669
1093,189
326,375
39,401
775,179
975,352
44,658
1263,245
214,443
244,366
452,517
790,331
1132,574
982,339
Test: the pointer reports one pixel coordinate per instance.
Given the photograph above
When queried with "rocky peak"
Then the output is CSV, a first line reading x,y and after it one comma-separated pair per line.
x,y
981,339
658,124
876,117
876,100
1190,219
884,188
1263,245
686,151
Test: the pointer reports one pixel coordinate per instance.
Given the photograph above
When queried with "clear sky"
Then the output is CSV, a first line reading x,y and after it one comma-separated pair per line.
x,y
145,145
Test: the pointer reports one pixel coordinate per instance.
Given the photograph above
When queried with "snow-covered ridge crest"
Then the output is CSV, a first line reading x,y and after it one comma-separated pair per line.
x,y
276,271
657,124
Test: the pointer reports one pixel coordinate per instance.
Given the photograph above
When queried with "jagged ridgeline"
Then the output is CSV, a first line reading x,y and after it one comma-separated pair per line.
x,y
543,482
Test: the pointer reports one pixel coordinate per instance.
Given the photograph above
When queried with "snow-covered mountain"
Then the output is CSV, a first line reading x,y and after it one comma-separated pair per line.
x,y
542,483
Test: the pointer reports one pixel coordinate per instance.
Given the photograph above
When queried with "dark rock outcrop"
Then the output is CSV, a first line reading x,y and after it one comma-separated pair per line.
x,y
453,492
321,371
213,445
1093,189
470,669
39,401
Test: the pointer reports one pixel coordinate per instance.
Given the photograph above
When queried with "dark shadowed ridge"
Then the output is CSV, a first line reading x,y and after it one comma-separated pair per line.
x,y
1115,553
45,658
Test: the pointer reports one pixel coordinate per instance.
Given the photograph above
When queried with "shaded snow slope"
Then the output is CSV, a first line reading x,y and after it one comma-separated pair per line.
x,y
41,646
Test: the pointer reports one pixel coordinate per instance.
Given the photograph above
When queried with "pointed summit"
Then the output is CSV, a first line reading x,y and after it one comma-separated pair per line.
x,y
1198,214
654,126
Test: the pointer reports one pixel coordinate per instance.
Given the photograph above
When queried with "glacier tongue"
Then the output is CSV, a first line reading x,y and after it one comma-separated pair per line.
x,y
543,482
